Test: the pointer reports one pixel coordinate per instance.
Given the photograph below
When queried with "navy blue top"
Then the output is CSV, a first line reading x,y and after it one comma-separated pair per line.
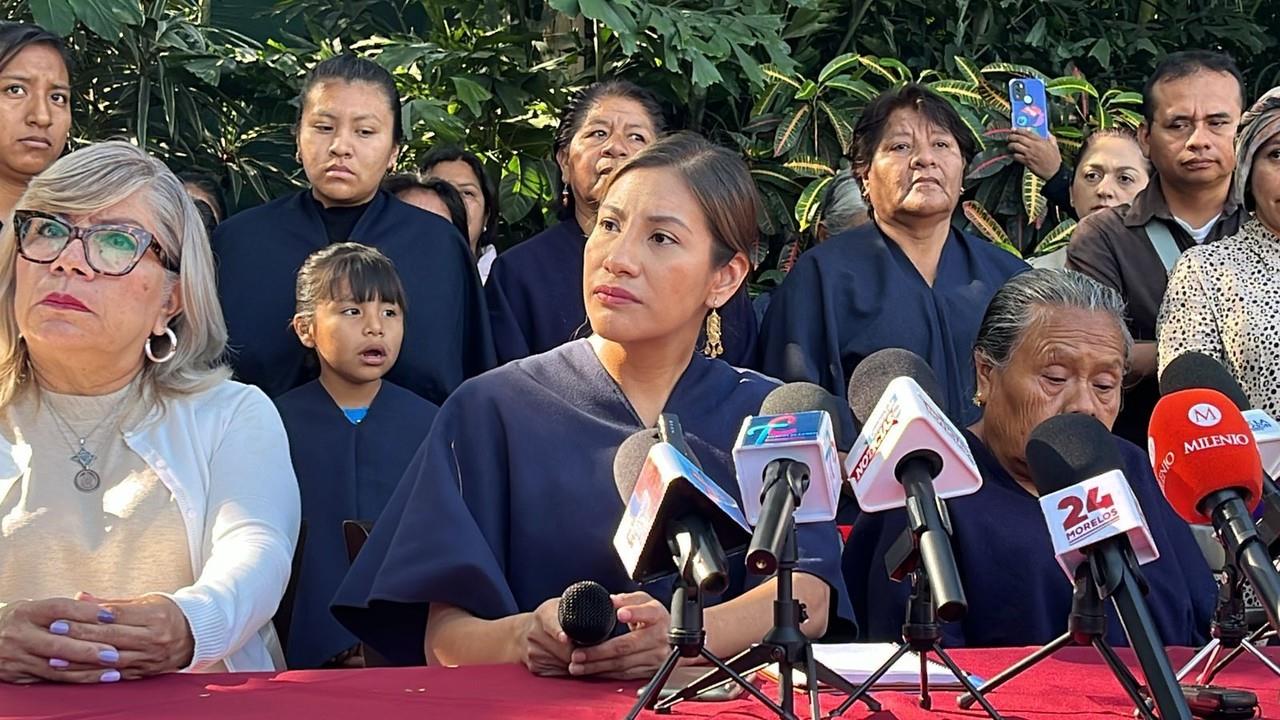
x,y
512,496
1017,592
535,296
346,471
858,293
259,252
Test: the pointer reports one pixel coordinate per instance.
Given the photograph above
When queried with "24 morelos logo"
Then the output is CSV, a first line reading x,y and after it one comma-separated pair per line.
x,y
1088,514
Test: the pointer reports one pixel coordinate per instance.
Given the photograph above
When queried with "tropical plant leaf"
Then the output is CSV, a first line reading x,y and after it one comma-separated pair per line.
x,y
790,253
789,131
1014,69
965,91
1070,145
969,70
1069,86
842,127
809,166
1033,200
54,15
776,178
771,71
766,99
995,101
876,66
1128,117
903,72
1057,238
837,66
986,224
997,133
858,88
1117,96
971,121
808,205
989,162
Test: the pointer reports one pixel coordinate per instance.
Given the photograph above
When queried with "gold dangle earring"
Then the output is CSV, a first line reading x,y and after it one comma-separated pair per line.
x,y
714,347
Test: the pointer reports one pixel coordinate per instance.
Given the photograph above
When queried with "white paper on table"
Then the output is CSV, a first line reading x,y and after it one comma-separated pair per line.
x,y
856,662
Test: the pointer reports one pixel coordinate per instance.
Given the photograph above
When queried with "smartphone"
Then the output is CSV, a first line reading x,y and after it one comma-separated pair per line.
x,y
1029,107
682,676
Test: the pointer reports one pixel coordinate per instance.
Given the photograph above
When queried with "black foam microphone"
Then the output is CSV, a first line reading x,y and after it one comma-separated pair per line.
x,y
1067,450
586,613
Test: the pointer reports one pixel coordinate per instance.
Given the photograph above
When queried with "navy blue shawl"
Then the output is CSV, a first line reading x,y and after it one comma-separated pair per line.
x,y
512,497
259,252
858,293
1017,593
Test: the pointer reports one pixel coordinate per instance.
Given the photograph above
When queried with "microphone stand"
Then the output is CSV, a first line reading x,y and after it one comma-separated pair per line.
x,y
785,644
1086,625
1229,631
687,638
921,633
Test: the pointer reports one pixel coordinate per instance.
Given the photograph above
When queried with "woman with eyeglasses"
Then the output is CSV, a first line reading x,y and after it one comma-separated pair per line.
x,y
150,508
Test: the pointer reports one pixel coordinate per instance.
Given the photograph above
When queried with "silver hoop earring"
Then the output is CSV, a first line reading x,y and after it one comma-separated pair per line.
x,y
173,347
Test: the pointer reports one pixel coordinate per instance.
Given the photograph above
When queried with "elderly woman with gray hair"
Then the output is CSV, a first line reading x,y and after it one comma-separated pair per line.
x,y
1051,342
148,508
1223,298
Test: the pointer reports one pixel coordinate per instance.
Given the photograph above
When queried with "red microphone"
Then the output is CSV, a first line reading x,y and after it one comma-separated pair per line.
x,y
1199,444
1207,463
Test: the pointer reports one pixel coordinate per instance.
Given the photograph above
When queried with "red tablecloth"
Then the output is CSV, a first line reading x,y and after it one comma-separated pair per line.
x,y
1072,684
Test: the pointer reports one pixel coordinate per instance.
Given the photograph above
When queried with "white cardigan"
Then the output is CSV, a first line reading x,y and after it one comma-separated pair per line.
x,y
224,455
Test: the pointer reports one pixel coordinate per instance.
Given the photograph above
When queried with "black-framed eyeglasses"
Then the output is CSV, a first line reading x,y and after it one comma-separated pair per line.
x,y
109,249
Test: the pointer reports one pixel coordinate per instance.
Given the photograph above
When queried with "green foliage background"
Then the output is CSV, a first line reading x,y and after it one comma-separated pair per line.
x,y
211,84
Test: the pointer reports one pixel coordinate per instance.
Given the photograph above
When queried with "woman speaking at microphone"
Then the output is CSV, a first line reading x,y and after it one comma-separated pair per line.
x,y
511,498
1051,342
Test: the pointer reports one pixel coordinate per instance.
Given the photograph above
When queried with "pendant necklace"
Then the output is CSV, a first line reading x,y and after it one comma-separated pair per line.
x,y
87,479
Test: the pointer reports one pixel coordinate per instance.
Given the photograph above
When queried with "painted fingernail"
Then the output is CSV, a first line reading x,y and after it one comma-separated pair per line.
x,y
109,656
59,627
58,663
110,676
106,616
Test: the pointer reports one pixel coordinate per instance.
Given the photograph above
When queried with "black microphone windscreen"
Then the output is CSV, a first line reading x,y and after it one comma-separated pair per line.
x,y
586,613
629,460
1197,370
798,397
1067,449
882,367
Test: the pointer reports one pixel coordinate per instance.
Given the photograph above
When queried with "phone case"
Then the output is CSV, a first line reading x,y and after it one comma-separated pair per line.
x,y
1030,108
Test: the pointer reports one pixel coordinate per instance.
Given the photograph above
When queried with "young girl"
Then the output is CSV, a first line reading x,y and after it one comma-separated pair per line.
x,y
351,434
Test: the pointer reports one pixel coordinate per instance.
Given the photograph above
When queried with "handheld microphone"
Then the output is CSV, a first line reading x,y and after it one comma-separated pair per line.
x,y
910,456
1076,468
1208,467
586,613
677,519
788,470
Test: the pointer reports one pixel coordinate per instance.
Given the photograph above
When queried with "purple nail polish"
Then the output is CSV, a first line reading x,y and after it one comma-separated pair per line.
x,y
59,627
110,676
109,656
106,616
58,663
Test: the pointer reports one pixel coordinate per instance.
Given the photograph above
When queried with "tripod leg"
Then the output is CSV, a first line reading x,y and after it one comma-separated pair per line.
x,y
865,687
966,700
811,674
650,695
1261,658
831,678
926,702
1215,666
963,677
745,662
1124,677
1201,654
